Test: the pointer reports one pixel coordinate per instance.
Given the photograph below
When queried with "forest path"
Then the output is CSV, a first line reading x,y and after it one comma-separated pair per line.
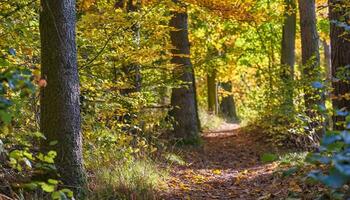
x,y
227,166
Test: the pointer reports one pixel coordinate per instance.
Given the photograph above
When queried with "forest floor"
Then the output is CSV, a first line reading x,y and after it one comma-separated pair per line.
x,y
228,166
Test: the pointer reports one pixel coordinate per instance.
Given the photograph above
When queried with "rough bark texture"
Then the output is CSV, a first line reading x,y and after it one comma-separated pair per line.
x,y
183,99
288,50
311,62
340,54
310,45
212,93
288,38
60,112
227,105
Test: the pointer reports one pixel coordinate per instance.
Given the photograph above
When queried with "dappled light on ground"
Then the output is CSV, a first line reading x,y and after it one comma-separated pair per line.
x,y
228,166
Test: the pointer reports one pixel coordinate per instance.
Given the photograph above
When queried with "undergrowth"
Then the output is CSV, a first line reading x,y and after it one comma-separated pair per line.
x,y
139,179
209,121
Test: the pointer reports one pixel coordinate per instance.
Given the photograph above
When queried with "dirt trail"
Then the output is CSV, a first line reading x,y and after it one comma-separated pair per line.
x,y
227,166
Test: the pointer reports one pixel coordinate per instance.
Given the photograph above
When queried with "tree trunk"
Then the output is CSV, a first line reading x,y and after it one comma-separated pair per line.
x,y
60,112
227,105
327,59
340,56
310,45
288,38
288,51
212,93
132,71
310,60
183,99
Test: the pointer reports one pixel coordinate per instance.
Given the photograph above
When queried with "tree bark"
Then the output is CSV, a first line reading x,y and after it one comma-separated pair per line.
x,y
340,56
310,45
132,71
183,99
288,38
288,50
212,93
327,59
310,60
227,105
60,112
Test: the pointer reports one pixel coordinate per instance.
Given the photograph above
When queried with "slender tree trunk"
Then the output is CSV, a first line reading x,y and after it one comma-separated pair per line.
x,y
132,71
310,58
288,37
328,70
212,93
227,105
327,59
183,99
60,112
340,56
288,50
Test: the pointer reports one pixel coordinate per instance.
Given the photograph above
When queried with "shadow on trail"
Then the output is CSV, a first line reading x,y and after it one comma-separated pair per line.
x,y
227,166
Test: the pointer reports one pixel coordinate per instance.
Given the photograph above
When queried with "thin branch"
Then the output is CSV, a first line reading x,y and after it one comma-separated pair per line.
x,y
99,53
18,8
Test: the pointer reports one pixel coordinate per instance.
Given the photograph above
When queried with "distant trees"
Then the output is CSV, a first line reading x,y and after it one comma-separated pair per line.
x,y
340,55
60,112
183,99
212,87
227,104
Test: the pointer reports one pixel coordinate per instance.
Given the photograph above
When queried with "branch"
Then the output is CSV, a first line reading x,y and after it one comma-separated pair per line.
x,y
18,8
99,53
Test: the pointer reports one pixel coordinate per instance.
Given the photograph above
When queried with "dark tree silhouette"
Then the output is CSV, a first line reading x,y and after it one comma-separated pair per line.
x,y
340,55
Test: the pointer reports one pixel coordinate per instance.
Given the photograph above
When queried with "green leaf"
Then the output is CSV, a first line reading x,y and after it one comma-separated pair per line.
x,y
47,187
68,192
5,117
58,195
30,186
16,154
52,181
268,157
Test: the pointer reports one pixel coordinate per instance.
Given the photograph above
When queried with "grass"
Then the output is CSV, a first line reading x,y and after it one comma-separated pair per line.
x,y
140,179
209,121
294,158
175,159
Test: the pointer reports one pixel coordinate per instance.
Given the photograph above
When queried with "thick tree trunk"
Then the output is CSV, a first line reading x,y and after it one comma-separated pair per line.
x,y
212,93
60,112
227,105
288,50
310,58
340,56
310,45
183,99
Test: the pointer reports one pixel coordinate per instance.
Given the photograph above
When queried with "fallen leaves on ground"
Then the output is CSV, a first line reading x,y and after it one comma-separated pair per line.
x,y
229,166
